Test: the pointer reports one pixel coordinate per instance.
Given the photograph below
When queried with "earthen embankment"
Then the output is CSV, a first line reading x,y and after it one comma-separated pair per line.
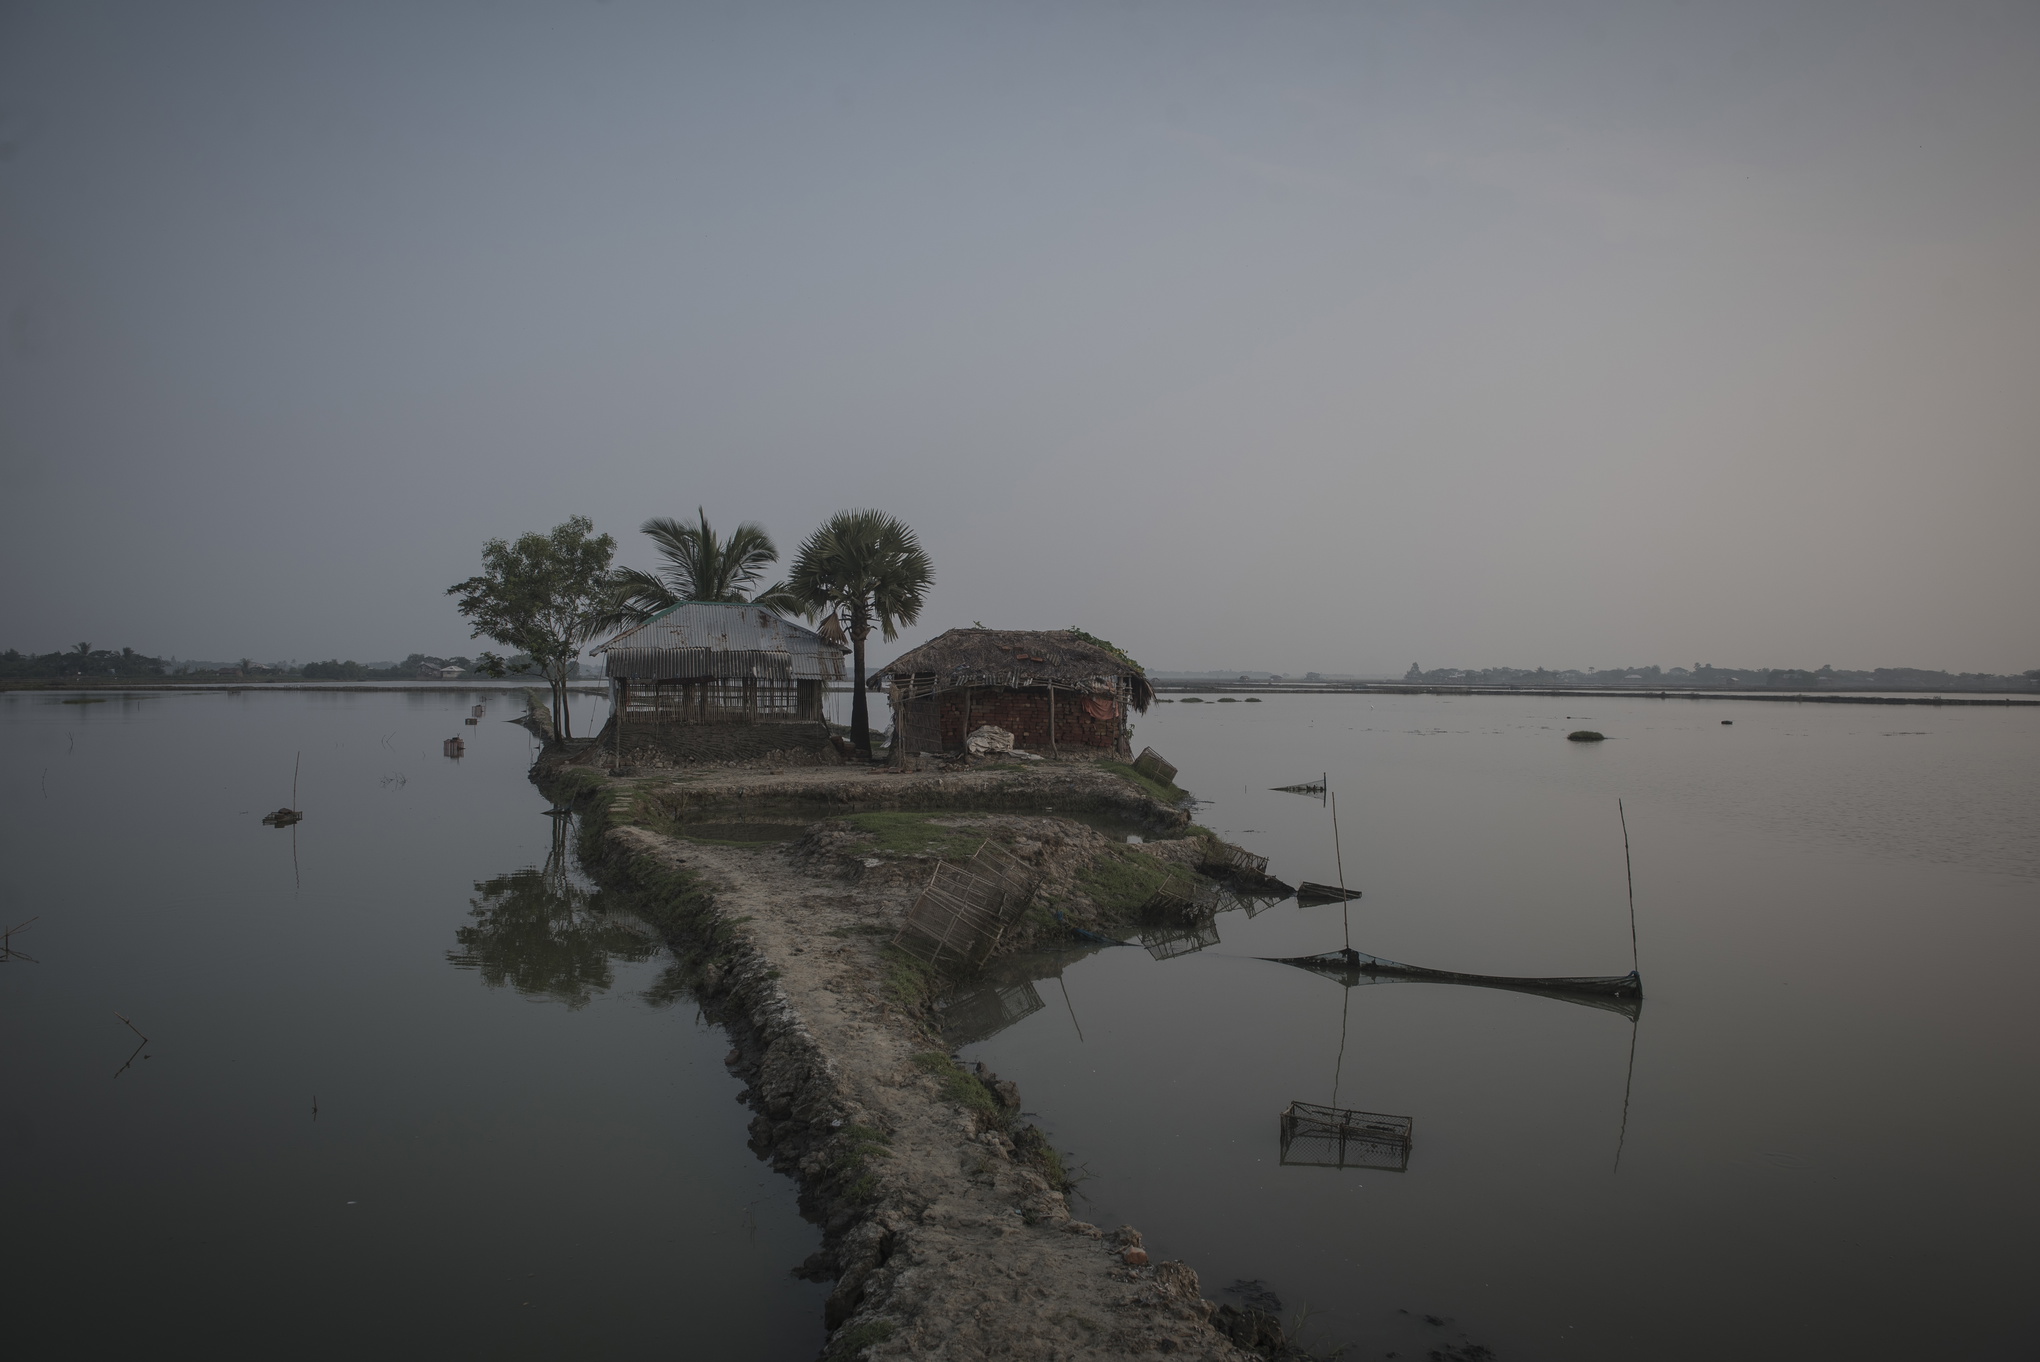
x,y
947,1230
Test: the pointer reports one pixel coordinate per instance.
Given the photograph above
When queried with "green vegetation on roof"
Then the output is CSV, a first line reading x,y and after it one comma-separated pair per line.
x,y
1109,647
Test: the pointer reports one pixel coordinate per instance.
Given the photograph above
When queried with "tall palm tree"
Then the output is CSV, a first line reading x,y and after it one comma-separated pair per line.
x,y
868,566
700,565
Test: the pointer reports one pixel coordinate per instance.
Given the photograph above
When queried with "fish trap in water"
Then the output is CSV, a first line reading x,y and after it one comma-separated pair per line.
x,y
1314,1136
1175,899
1168,943
1225,858
1308,787
984,1012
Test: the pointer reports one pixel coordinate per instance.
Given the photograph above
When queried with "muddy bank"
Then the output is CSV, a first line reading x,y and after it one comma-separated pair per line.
x,y
947,1229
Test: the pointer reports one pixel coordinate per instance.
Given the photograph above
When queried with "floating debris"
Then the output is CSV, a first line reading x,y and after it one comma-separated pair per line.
x,y
1585,735
283,818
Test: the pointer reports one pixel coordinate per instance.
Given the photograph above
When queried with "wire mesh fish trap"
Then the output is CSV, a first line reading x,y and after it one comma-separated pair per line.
x,y
1016,879
1150,764
1308,787
1226,857
1175,898
985,1012
956,920
1168,943
1338,1137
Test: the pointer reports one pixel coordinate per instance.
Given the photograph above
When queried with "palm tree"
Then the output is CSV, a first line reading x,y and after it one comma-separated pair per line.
x,y
700,566
868,565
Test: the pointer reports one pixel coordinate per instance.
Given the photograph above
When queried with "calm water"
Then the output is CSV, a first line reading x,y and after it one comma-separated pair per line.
x,y
1829,1141
525,1144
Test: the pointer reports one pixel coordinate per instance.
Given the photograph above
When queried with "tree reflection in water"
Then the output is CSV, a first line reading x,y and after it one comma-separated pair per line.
x,y
544,935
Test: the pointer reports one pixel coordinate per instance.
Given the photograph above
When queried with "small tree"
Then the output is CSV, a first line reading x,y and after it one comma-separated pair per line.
x,y
870,566
546,596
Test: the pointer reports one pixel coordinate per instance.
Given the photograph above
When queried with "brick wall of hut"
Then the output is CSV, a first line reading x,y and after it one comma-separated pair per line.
x,y
1024,713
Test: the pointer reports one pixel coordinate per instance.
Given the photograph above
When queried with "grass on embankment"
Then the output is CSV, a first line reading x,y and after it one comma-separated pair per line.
x,y
1121,880
1167,793
895,833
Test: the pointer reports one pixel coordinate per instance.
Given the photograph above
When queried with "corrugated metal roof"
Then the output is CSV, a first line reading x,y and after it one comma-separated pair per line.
x,y
724,640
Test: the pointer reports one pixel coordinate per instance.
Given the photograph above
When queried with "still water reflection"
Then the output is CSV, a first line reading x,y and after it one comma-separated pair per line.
x,y
539,931
1814,1138
411,1086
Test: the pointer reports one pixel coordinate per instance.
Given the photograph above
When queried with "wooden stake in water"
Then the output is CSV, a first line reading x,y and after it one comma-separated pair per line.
x,y
293,778
1630,874
1339,858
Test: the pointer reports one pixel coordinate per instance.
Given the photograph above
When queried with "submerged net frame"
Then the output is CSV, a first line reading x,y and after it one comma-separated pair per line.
x,y
983,1013
1227,857
1315,1136
1175,898
1168,943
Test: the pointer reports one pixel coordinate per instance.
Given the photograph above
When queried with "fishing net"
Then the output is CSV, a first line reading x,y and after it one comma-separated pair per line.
x,y
1339,1137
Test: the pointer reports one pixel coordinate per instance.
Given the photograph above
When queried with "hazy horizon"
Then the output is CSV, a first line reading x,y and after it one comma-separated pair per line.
x,y
1331,338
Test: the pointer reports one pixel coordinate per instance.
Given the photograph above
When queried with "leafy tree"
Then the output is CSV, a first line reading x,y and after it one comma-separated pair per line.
x,y
547,595
868,566
700,565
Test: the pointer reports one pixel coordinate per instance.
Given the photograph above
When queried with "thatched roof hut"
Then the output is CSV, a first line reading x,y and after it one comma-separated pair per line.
x,y
1051,688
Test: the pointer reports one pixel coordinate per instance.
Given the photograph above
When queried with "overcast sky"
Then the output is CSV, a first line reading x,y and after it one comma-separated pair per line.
x,y
1299,336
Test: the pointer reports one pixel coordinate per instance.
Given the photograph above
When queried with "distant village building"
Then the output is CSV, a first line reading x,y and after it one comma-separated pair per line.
x,y
1050,688
712,680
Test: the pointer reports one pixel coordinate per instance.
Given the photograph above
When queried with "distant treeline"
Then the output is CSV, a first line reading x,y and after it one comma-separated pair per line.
x,y
1702,674
84,662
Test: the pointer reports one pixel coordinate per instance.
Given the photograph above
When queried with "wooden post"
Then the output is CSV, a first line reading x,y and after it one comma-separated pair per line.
x,y
1051,718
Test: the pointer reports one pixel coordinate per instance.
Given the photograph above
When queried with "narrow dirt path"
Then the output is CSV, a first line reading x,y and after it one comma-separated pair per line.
x,y
946,1230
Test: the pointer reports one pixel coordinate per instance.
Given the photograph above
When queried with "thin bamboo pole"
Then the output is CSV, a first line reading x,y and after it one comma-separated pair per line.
x,y
1629,873
1339,858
